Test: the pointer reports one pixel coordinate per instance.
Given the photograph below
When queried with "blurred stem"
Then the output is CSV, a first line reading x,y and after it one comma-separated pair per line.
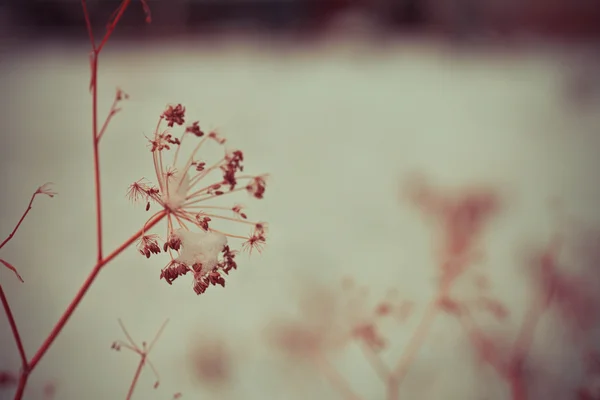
x,y
138,371
376,362
335,379
412,348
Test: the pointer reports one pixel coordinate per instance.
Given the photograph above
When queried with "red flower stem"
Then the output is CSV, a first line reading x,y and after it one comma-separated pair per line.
x,y
94,88
23,377
20,221
101,261
112,25
13,327
94,66
88,24
77,299
138,371
111,113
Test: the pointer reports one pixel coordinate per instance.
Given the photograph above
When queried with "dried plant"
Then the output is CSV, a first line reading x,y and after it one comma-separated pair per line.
x,y
191,242
324,328
143,352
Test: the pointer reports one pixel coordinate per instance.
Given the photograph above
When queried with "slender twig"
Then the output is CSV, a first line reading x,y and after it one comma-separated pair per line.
x,y
77,299
143,353
157,336
13,269
94,66
82,291
138,371
101,261
21,220
14,329
88,24
113,24
113,111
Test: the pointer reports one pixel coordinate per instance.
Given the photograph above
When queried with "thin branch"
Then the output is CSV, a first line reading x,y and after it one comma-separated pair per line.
x,y
128,336
157,336
13,269
138,371
41,190
113,111
88,24
83,290
143,353
14,329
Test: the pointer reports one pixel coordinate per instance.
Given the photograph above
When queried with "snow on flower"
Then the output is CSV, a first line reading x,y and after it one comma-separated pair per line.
x,y
186,192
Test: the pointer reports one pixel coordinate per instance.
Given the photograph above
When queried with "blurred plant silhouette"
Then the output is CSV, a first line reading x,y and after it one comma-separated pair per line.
x,y
330,320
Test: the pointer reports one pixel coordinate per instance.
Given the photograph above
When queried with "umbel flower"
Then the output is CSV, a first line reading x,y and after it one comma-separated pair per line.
x,y
186,192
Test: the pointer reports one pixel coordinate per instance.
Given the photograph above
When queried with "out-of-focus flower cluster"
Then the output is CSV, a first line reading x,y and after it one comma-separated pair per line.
x,y
330,319
186,193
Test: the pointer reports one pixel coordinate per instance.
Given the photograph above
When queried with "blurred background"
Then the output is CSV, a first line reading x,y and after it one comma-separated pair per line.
x,y
556,19
339,101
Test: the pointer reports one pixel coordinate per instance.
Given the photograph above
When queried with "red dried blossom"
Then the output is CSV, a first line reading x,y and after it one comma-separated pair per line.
x,y
257,239
228,262
173,271
185,197
237,210
257,187
174,115
148,244
233,165
121,95
46,189
217,138
203,221
195,129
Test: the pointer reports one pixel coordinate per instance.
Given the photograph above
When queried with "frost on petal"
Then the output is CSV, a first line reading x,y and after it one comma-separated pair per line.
x,y
178,186
200,247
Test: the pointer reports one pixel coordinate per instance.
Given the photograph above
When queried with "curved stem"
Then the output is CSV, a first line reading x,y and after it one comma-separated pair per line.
x,y
20,221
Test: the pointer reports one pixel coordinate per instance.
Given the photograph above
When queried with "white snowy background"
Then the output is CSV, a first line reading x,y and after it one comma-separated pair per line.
x,y
338,125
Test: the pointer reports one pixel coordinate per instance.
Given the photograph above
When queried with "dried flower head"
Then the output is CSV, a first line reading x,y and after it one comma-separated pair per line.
x,y
46,189
328,320
143,351
186,192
